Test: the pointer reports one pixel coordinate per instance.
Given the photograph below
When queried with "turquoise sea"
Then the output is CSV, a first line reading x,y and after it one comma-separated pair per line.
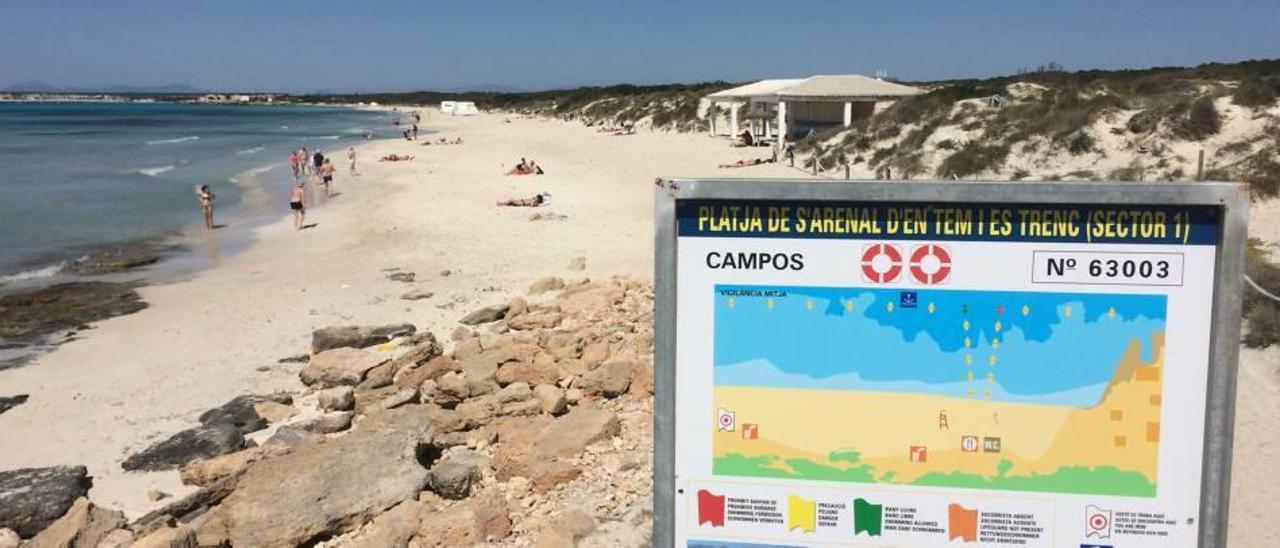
x,y
75,177
1048,348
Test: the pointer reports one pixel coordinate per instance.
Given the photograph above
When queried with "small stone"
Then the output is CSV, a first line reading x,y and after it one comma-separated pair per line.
x,y
403,277
340,398
485,315
543,285
329,423
516,391
610,379
551,398
455,474
403,396
155,495
578,263
417,295
573,395
446,273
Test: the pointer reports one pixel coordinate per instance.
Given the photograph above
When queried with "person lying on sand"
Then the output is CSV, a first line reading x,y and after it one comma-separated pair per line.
x,y
521,168
395,158
747,163
537,200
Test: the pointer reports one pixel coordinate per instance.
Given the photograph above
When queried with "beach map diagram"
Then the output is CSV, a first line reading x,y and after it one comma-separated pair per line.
x,y
998,390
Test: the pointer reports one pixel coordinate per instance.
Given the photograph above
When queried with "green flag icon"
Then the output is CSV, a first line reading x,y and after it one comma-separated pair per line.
x,y
867,517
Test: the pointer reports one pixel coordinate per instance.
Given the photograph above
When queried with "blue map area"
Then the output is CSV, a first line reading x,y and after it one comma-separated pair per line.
x,y
1052,348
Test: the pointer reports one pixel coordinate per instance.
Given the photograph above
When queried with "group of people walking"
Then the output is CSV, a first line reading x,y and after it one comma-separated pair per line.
x,y
306,166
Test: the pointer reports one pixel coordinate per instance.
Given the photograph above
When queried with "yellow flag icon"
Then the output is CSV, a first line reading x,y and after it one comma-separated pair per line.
x,y
801,513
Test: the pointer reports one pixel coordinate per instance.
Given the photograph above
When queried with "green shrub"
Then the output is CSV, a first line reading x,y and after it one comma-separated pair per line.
x,y
1080,143
973,159
1019,174
1125,174
1082,174
1202,120
1143,121
1254,93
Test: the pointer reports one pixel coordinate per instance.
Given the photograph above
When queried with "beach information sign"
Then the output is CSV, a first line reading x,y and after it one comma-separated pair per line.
x,y
943,364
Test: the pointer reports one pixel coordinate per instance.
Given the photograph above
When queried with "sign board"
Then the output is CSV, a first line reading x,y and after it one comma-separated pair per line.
x,y
930,364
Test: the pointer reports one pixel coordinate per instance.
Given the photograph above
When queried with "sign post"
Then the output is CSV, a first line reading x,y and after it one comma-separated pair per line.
x,y
925,364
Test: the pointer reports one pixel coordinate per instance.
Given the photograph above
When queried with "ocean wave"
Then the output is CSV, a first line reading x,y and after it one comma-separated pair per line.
x,y
327,137
154,171
171,141
253,150
44,272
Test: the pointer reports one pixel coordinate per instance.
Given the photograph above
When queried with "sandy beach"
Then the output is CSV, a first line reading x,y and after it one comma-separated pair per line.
x,y
135,379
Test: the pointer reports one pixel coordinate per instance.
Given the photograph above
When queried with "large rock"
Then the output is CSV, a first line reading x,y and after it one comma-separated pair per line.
x,y
392,529
485,315
206,471
538,448
200,442
324,489
84,525
32,498
352,336
453,476
611,379
9,402
119,538
341,398
9,538
534,373
242,413
483,519
338,367
168,537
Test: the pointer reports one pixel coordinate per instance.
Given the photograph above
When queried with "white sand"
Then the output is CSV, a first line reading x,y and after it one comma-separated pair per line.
x,y
134,379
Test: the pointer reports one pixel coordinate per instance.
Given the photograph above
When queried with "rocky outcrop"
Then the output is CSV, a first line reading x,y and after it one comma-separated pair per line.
x,y
341,398
26,317
84,525
33,498
535,448
201,442
485,518
353,336
242,412
340,366
307,495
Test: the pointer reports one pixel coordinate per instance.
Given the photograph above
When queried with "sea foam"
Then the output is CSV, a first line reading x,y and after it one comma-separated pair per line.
x,y
172,141
155,171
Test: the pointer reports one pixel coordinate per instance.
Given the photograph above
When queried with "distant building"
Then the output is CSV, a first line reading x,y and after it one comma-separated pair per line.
x,y
794,107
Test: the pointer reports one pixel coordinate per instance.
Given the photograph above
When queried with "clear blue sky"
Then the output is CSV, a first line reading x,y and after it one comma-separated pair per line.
x,y
402,45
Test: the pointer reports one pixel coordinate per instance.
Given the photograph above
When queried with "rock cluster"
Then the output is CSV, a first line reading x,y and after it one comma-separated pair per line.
x,y
534,429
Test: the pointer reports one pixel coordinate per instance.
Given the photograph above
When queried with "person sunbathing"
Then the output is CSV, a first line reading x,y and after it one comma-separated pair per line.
x,y
537,200
395,158
747,163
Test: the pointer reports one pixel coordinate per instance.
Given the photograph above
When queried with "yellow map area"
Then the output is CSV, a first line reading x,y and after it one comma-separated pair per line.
x,y
818,433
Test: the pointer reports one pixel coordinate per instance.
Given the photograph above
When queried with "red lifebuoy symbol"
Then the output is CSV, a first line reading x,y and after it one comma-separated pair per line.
x,y
930,264
881,263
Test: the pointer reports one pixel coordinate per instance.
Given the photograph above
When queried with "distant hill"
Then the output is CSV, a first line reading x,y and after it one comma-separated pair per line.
x,y
38,86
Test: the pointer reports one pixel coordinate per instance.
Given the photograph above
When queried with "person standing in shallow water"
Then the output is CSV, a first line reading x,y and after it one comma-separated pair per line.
x,y
295,204
206,205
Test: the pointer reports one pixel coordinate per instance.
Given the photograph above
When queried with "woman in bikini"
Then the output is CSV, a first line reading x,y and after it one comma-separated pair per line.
x,y
295,204
206,205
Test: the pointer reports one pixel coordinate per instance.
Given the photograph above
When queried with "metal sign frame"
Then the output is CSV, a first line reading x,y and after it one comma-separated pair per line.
x,y
1224,339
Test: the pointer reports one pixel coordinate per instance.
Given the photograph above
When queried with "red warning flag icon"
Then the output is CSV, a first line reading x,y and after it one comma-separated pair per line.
x,y
881,263
930,264
710,508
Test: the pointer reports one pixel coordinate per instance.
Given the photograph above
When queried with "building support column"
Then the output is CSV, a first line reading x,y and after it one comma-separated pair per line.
x,y
848,113
733,120
782,126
